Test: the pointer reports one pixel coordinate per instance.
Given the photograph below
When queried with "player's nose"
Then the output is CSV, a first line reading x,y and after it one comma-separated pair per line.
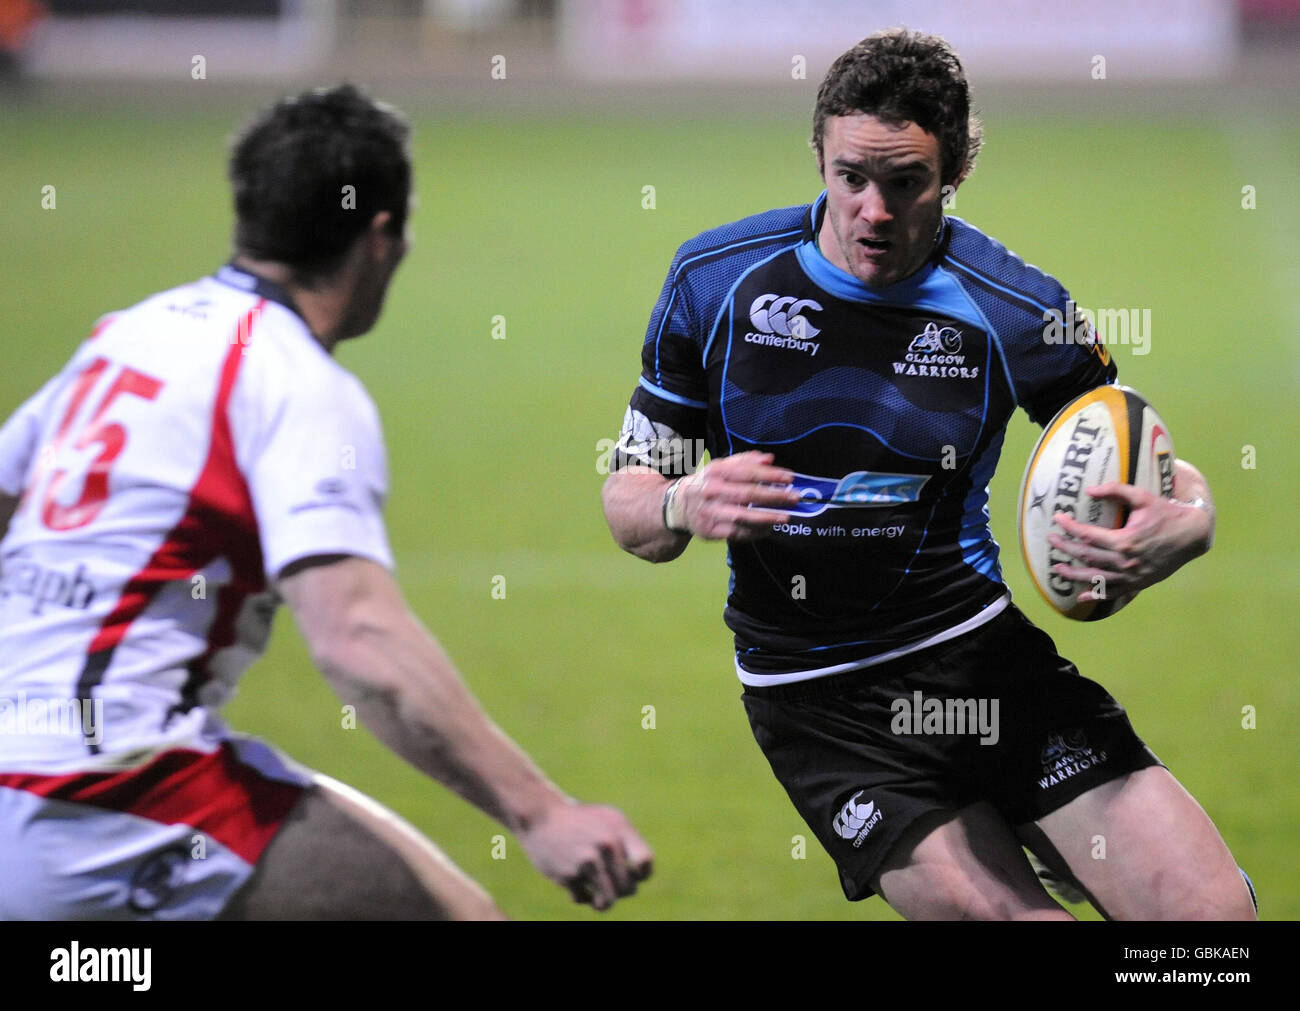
x,y
874,211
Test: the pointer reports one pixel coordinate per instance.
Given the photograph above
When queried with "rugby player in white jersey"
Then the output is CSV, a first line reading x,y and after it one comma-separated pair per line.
x,y
201,457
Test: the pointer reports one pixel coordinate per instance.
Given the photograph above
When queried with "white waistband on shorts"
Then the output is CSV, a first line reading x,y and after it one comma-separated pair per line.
x,y
986,615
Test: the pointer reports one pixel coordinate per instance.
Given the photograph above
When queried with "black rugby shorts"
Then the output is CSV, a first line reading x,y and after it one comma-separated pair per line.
x,y
995,715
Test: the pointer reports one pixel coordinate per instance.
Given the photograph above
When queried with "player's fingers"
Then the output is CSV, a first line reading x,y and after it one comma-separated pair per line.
x,y
1086,533
640,857
597,886
733,520
1083,553
752,466
732,492
1128,494
1101,582
758,494
769,475
620,875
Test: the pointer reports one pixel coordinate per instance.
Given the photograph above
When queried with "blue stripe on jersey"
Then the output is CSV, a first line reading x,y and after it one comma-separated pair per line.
x,y
978,548
995,339
927,289
716,251
979,255
727,308
673,397
731,295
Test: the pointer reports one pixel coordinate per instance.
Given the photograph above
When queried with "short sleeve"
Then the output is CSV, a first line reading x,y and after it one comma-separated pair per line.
x,y
313,455
1059,359
670,402
20,438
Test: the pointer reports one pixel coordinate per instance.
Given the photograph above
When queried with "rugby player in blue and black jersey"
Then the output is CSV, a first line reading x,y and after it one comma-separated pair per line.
x,y
850,367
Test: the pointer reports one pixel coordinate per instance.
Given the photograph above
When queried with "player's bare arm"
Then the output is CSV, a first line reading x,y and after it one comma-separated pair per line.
x,y
1160,536
735,497
378,656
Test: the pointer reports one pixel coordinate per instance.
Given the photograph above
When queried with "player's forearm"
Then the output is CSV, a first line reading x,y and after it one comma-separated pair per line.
x,y
633,501
409,694
1191,487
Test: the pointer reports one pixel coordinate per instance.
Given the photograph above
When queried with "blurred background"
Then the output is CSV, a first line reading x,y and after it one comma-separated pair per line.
x,y
1145,154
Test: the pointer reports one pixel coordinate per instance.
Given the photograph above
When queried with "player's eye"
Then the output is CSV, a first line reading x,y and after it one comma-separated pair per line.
x,y
852,179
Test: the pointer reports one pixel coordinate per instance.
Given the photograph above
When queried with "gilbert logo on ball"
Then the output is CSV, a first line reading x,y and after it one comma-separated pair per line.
x,y
1110,433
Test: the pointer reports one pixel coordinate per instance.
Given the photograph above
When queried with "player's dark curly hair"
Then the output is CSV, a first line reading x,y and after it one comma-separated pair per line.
x,y
903,76
288,169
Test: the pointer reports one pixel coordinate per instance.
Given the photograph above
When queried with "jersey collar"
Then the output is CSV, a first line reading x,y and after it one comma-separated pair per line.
x,y
238,277
844,285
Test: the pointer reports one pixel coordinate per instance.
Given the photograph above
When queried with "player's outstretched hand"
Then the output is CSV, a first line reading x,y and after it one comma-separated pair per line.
x,y
737,497
1160,537
590,849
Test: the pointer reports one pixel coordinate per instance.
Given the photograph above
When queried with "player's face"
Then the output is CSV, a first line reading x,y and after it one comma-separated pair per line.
x,y
385,254
883,197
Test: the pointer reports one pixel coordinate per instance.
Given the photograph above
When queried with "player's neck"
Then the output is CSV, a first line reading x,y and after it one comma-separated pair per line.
x,y
322,306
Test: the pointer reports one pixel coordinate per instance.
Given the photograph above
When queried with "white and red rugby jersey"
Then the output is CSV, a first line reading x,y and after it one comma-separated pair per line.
x,y
194,445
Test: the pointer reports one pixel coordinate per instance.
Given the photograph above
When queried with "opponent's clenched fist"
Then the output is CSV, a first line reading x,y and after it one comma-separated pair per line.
x,y
590,849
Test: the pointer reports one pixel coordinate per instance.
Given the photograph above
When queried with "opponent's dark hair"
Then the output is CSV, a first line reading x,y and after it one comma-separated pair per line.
x,y
289,166
900,76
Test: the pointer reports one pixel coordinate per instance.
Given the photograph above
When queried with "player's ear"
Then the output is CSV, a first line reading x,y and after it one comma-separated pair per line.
x,y
378,234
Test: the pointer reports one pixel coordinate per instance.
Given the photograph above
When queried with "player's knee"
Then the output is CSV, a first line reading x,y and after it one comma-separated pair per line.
x,y
471,903
487,911
1002,904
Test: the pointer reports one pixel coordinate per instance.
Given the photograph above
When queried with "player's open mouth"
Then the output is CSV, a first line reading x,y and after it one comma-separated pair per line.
x,y
875,247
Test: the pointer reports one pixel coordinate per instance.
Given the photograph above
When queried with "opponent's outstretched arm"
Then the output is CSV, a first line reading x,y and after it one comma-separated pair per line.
x,y
735,497
1160,537
379,657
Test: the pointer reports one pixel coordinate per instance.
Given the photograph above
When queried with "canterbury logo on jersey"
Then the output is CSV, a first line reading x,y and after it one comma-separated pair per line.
x,y
783,315
860,489
779,322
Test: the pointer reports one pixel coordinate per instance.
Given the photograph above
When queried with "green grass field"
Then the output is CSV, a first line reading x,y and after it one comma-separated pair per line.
x,y
493,447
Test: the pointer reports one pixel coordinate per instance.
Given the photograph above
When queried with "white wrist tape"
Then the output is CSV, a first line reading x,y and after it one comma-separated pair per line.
x,y
674,511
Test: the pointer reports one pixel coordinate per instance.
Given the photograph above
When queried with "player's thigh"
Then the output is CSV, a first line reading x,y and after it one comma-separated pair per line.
x,y
966,865
1144,849
341,855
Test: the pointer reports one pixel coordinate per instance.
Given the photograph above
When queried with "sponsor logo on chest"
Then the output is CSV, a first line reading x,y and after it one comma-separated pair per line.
x,y
779,321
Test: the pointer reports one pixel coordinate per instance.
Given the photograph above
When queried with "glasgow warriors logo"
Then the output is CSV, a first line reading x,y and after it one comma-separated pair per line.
x,y
933,340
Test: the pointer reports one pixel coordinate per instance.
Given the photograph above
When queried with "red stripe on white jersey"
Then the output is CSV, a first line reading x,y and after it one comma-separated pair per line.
x,y
218,520
215,793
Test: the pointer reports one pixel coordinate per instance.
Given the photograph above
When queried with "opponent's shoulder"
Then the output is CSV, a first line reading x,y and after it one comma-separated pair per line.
x,y
284,363
982,263
739,239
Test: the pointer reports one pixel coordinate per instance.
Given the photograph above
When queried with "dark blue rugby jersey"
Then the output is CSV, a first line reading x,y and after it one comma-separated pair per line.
x,y
890,405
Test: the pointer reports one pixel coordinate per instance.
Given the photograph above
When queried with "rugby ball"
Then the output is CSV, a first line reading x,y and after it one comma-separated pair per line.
x,y
1109,434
